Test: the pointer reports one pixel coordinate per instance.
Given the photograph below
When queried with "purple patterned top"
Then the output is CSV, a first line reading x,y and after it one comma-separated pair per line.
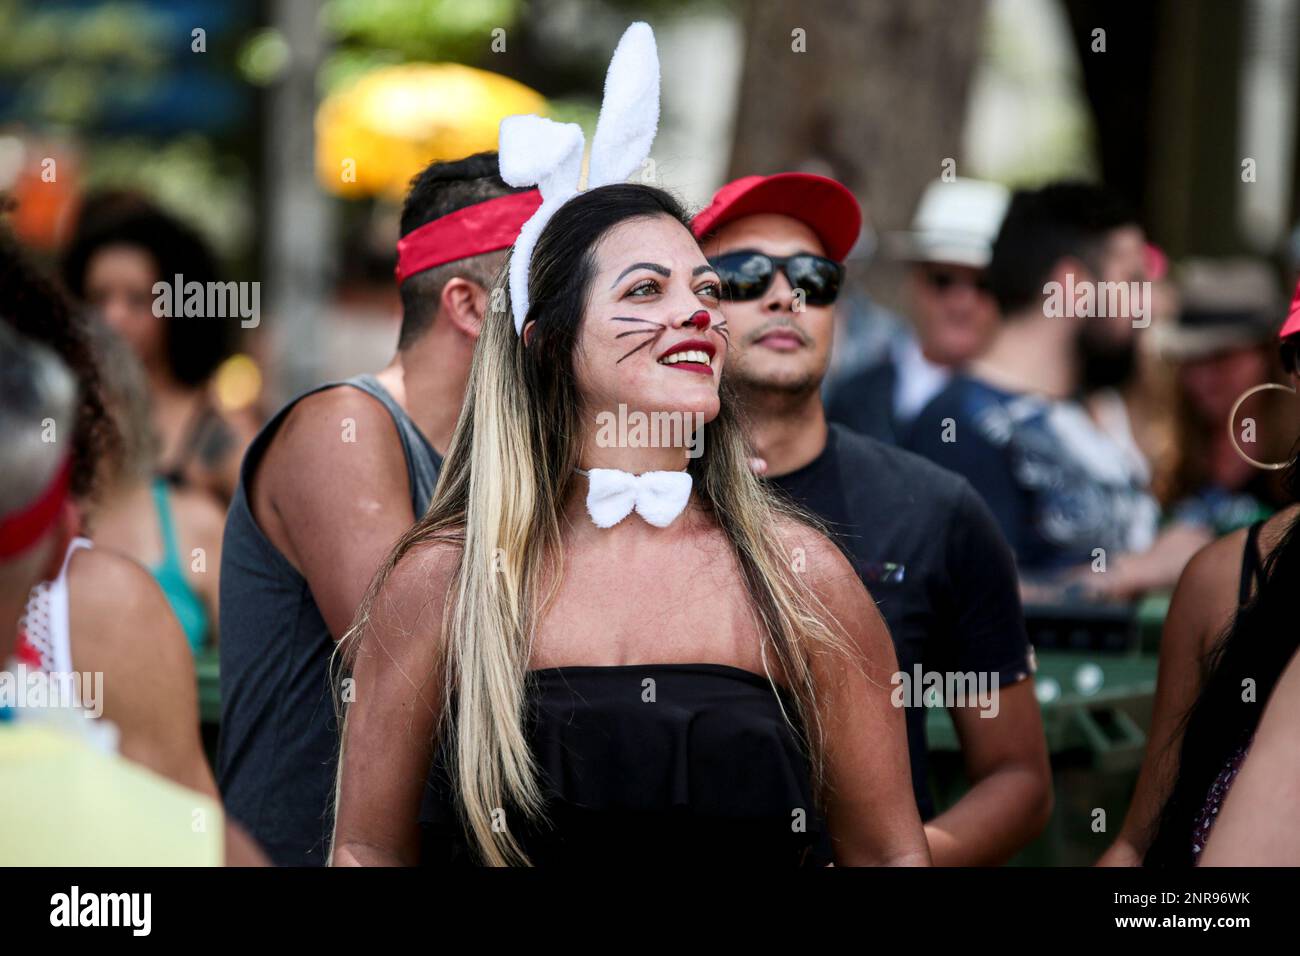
x,y
1214,800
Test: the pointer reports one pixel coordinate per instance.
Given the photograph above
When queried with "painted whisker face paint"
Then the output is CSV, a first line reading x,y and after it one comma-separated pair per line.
x,y
657,329
652,308
693,355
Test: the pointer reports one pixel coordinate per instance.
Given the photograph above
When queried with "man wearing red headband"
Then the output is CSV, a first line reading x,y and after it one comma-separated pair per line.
x,y
919,537
327,488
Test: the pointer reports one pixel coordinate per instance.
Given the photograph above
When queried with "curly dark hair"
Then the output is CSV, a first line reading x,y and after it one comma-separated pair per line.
x,y
194,349
31,304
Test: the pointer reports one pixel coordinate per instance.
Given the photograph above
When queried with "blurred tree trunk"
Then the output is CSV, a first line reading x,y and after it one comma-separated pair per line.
x,y
1118,82
1165,100
300,218
877,99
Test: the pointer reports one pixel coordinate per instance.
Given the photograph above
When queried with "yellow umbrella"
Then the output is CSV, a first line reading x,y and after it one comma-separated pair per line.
x,y
378,132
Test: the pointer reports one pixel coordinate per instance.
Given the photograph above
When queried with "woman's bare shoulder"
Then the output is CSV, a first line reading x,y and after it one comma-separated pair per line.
x,y
1271,534
812,552
120,616
104,581
433,558
421,579
1212,577
1216,566
832,578
1205,598
1209,588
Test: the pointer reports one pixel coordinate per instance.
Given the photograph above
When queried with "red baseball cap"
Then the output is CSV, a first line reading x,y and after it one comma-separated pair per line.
x,y
824,205
1292,324
1156,261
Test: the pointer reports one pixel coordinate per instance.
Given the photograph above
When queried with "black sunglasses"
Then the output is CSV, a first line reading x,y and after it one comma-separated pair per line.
x,y
747,275
941,280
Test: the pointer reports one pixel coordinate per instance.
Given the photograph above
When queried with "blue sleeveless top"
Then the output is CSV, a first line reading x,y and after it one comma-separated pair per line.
x,y
652,764
170,575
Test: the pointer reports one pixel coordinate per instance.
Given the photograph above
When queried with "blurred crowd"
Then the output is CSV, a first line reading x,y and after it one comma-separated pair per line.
x,y
1109,431
1090,391
1102,441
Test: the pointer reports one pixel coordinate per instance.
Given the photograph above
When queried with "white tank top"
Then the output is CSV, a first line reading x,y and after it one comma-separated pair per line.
x,y
46,620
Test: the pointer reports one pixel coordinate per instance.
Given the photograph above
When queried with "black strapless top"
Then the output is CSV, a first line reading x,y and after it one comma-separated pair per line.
x,y
700,767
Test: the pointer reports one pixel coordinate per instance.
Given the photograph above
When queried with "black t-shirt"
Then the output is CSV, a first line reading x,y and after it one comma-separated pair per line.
x,y
931,555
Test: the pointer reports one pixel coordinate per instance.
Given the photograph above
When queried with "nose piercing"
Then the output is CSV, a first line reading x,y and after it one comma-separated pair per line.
x,y
700,320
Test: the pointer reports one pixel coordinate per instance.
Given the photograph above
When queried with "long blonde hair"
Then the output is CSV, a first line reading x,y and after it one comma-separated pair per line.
x,y
501,494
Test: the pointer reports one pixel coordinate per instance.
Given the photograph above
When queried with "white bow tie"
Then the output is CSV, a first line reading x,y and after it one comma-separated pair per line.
x,y
658,496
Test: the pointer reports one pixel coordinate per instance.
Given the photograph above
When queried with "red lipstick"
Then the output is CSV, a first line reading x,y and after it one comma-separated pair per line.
x,y
690,345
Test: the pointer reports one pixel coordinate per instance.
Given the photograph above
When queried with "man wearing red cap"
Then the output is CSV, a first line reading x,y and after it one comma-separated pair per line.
x,y
327,488
921,540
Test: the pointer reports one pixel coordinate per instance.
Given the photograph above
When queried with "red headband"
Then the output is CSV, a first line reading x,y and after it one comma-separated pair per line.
x,y
472,231
22,529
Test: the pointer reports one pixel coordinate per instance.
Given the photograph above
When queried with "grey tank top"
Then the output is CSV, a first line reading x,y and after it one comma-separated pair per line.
x,y
278,744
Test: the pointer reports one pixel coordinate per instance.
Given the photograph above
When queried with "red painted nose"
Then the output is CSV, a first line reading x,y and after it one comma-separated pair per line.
x,y
700,320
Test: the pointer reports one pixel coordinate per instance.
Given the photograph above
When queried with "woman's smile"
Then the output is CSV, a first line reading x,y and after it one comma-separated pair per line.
x,y
692,355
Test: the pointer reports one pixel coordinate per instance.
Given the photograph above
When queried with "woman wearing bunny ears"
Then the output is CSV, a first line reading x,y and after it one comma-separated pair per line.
x,y
610,652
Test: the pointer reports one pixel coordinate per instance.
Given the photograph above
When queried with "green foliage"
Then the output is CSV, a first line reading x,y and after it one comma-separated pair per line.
x,y
125,33
263,57
583,112
430,30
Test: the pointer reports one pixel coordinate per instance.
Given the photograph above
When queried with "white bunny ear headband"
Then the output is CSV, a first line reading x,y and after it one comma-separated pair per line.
x,y
539,152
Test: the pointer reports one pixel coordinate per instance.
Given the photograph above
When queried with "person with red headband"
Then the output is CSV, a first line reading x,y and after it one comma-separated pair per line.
x,y
919,537
327,487
64,800
1217,759
99,611
36,523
